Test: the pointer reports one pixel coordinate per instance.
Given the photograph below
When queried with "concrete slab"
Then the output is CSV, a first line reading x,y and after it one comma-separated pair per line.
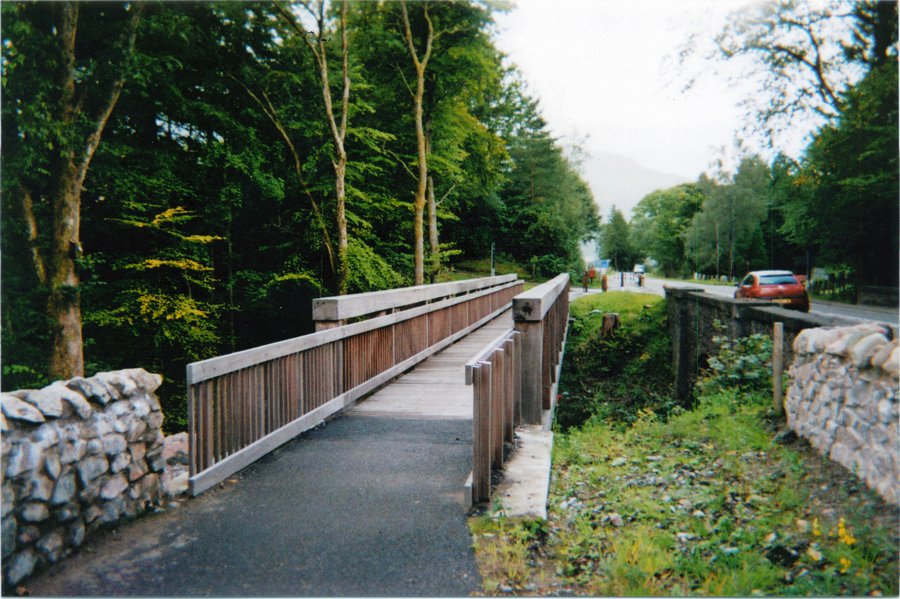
x,y
526,477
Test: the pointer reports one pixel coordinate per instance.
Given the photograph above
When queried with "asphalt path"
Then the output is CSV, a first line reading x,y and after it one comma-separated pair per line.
x,y
362,506
865,313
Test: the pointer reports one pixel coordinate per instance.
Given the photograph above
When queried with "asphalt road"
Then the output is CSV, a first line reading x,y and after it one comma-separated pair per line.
x,y
363,506
872,313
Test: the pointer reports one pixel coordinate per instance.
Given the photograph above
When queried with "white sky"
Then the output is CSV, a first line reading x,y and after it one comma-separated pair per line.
x,y
597,67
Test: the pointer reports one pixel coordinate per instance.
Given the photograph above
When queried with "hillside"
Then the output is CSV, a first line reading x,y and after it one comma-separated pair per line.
x,y
621,181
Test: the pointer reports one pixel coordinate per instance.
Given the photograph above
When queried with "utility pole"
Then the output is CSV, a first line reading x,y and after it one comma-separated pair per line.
x,y
717,251
493,270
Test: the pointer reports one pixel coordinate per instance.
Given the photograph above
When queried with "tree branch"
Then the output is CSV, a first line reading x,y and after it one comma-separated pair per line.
x,y
105,110
37,258
444,197
268,109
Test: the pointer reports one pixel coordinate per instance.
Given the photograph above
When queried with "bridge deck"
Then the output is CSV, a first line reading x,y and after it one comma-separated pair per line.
x,y
372,504
436,388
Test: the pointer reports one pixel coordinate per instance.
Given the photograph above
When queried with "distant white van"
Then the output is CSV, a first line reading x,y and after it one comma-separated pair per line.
x,y
638,269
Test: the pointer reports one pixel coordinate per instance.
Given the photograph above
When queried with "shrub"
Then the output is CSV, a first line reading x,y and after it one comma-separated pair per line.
x,y
610,378
744,363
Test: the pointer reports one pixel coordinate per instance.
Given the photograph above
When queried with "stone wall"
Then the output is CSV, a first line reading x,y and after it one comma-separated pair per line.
x,y
77,455
692,313
842,397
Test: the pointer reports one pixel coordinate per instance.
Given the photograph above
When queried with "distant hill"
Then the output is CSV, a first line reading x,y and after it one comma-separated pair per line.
x,y
623,181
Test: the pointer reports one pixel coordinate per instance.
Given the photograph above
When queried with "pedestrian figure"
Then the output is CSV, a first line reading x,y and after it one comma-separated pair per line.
x,y
603,283
584,281
591,274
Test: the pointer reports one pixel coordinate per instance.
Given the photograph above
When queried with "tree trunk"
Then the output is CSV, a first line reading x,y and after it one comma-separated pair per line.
x,y
610,324
421,153
340,170
64,301
338,130
422,184
433,238
339,133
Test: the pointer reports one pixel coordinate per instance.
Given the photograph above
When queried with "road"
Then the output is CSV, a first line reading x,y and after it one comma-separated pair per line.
x,y
868,313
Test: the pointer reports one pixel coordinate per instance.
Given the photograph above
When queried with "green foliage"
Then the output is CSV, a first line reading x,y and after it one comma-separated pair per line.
x,y
701,503
852,169
369,271
660,221
616,243
612,378
744,363
725,236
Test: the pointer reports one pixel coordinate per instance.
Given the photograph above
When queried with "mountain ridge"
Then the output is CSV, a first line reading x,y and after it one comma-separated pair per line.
x,y
621,181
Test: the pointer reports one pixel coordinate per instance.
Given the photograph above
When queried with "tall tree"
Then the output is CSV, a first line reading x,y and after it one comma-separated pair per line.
x,y
338,127
659,222
79,92
725,235
795,52
852,168
421,64
614,239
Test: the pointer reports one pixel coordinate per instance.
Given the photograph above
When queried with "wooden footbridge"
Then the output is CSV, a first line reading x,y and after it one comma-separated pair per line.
x,y
480,349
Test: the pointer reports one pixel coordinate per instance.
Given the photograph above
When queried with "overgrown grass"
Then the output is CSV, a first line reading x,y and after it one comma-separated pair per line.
x,y
702,504
610,378
699,501
468,269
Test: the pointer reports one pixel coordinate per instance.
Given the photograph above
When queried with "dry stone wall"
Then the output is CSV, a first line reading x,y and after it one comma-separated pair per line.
x,y
77,455
842,397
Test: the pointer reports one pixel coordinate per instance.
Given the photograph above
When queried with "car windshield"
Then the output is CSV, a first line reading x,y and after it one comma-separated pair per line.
x,y
777,280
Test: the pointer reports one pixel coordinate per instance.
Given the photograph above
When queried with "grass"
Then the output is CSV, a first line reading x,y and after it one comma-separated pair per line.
x,y
611,377
704,504
699,501
469,269
702,282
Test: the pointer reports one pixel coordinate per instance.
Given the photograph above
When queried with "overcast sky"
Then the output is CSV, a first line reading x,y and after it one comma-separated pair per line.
x,y
598,68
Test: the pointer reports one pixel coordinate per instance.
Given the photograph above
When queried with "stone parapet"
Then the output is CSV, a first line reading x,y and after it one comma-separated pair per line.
x,y
842,398
77,455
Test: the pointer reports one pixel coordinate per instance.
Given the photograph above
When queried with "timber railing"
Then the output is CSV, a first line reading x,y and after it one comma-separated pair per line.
x,y
243,405
541,315
514,378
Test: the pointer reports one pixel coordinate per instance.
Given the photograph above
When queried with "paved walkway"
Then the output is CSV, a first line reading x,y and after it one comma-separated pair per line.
x,y
370,504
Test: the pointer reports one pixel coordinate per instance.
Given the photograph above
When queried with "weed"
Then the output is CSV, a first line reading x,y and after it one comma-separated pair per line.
x,y
648,498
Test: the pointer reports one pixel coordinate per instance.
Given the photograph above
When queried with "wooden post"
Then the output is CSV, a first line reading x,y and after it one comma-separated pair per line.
x,y
481,468
532,361
777,368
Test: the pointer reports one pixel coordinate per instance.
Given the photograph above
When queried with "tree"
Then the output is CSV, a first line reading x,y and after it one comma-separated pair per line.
x,y
725,234
615,242
849,210
78,94
797,55
338,130
659,222
547,209
420,64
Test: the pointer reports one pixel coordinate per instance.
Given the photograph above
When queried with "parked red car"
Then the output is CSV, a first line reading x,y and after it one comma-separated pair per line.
x,y
781,286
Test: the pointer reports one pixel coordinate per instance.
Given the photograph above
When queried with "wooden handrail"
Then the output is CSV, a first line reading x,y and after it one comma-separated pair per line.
x,y
243,405
532,305
541,315
344,307
513,377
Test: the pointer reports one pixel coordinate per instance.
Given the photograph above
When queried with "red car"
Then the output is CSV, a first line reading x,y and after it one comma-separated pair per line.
x,y
781,286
